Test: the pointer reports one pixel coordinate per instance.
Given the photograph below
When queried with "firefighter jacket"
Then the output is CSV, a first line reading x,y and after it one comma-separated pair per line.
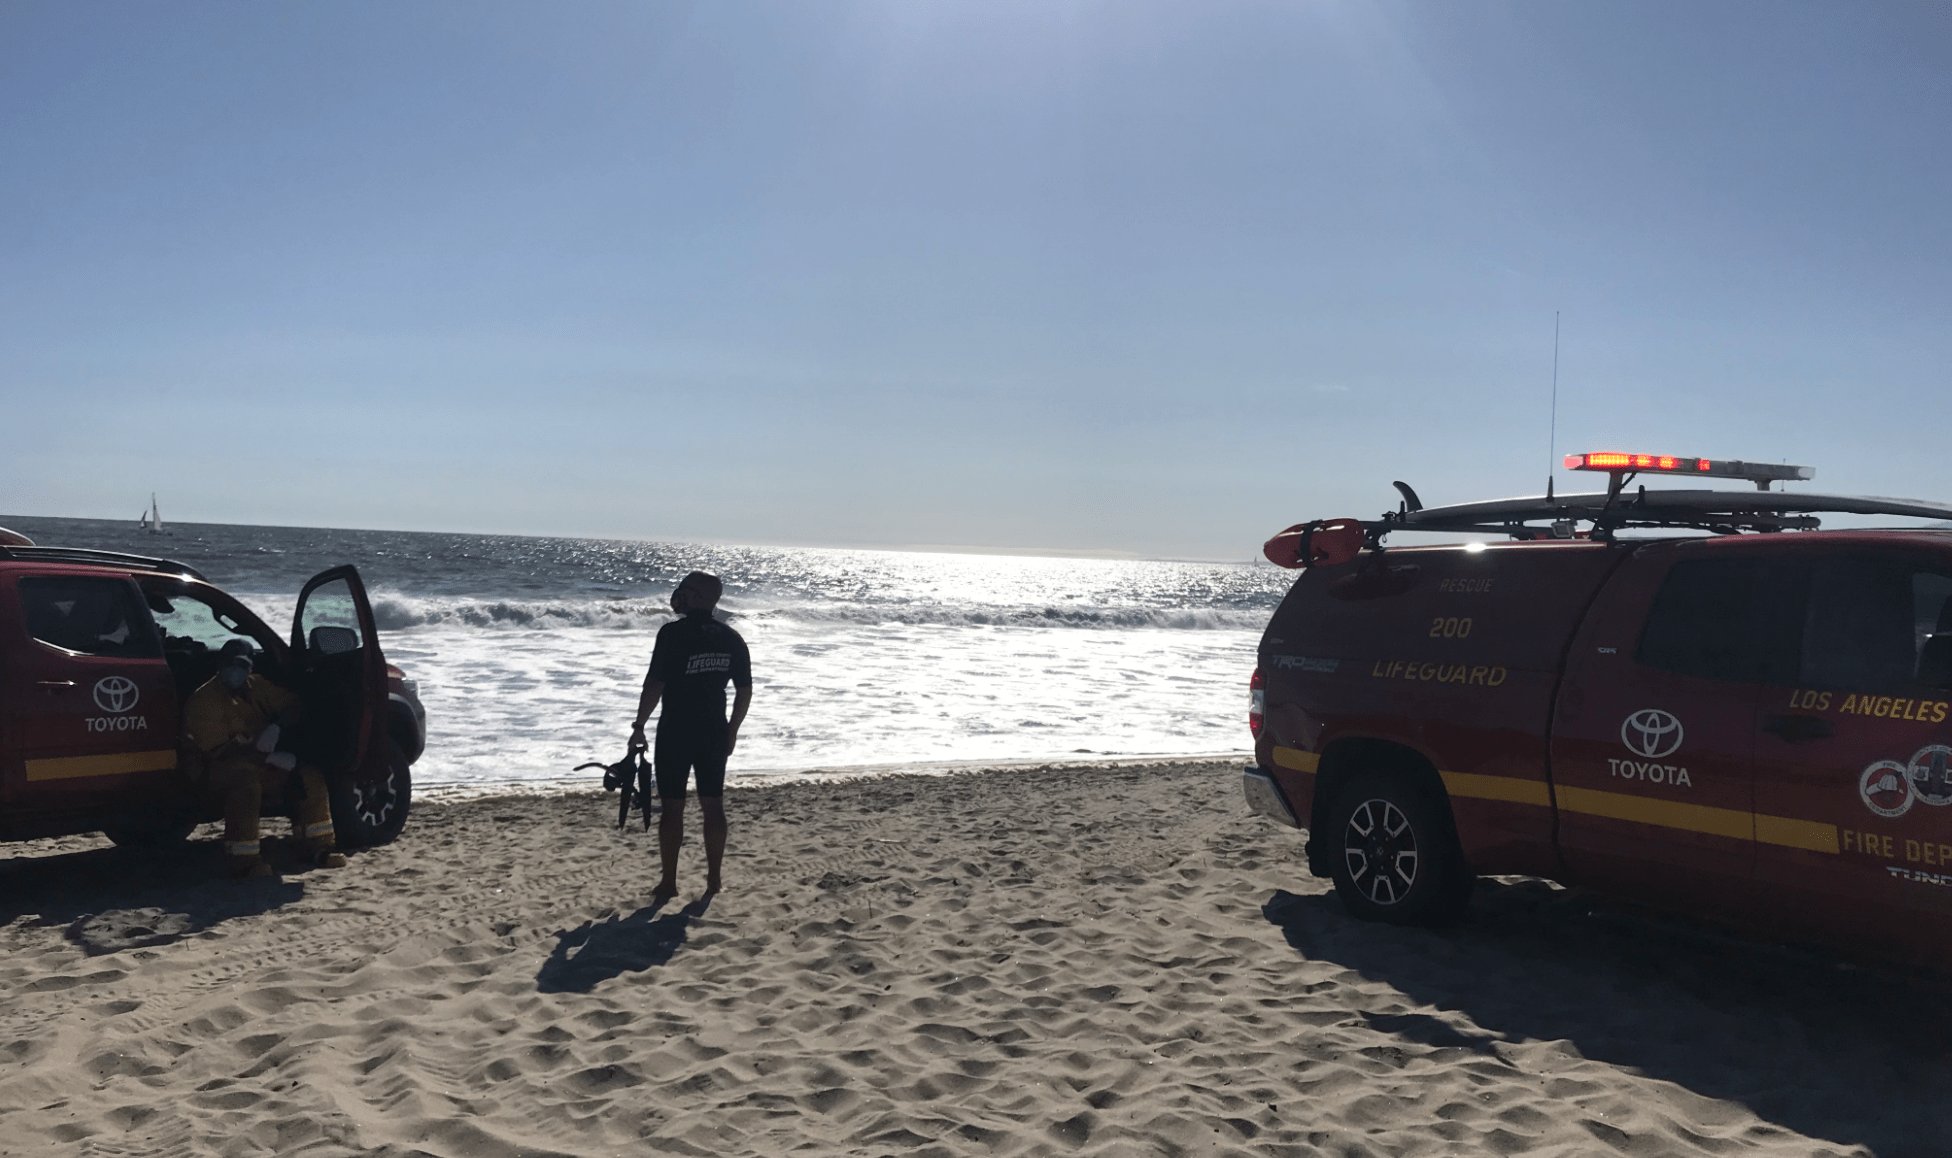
x,y
225,725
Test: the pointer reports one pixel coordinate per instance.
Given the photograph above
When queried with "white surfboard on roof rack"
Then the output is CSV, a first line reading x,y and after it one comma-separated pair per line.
x,y
1723,512
1550,516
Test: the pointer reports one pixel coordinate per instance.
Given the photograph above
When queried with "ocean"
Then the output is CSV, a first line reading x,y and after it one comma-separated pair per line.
x,y
529,652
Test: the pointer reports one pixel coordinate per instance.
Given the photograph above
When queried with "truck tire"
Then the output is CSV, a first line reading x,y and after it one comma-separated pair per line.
x,y
375,811
1393,852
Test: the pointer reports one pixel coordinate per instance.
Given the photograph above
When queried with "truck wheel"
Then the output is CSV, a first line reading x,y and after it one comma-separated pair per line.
x,y
373,812
150,835
1393,854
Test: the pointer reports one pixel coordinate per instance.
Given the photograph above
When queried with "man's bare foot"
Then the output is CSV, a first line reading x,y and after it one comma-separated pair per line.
x,y
664,891
712,886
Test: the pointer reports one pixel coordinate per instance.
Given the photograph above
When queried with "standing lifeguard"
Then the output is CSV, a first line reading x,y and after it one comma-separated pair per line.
x,y
696,655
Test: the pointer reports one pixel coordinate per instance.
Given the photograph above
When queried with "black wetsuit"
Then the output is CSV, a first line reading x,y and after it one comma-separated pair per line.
x,y
694,658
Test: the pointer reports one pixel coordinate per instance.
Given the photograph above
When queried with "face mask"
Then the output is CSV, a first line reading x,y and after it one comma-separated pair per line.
x,y
236,675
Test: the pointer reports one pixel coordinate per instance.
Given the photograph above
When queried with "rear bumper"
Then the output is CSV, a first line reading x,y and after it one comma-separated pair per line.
x,y
1264,796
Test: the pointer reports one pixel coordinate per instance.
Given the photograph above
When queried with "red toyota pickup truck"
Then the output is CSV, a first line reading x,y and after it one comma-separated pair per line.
x,y
1753,723
99,651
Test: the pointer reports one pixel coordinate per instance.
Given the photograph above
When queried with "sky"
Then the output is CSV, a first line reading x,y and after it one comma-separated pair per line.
x,y
1124,276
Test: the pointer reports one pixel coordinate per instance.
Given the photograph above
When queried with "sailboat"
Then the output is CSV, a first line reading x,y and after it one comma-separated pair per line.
x,y
152,519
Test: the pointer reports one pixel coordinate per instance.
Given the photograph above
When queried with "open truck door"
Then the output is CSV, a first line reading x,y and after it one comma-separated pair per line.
x,y
340,675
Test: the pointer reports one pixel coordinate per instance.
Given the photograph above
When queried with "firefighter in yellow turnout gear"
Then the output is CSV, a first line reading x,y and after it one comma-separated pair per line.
x,y
234,720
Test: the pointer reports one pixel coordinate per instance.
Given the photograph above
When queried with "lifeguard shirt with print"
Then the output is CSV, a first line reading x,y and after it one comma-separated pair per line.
x,y
695,656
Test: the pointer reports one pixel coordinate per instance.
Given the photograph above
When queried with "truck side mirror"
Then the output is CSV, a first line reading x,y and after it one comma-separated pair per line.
x,y
334,640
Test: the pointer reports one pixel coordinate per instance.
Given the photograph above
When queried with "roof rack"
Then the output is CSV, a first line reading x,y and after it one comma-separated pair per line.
x,y
1720,512
86,555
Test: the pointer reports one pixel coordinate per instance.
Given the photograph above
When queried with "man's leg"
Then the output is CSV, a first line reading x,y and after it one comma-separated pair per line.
x,y
714,807
312,823
671,763
711,797
243,796
670,838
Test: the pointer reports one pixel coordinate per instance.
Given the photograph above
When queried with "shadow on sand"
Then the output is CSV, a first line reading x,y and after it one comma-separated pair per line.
x,y
1851,1053
113,899
596,951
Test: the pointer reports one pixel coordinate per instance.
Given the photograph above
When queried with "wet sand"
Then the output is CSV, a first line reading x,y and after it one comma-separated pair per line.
x,y
1034,961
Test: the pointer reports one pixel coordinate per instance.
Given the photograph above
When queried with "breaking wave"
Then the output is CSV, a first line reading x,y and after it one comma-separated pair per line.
x,y
403,613
395,612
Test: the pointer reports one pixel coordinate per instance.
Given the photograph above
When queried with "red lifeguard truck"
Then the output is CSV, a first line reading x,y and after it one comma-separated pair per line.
x,y
1691,697
98,652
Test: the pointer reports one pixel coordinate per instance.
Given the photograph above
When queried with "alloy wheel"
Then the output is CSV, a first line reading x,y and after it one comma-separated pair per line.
x,y
1381,850
374,802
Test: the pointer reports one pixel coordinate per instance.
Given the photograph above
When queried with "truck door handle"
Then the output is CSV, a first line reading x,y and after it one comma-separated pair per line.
x,y
56,685
1794,729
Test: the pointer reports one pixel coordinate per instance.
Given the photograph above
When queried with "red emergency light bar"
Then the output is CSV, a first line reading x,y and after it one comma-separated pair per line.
x,y
1612,460
1759,473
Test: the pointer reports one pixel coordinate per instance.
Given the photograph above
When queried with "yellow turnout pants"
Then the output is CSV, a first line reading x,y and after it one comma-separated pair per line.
x,y
241,784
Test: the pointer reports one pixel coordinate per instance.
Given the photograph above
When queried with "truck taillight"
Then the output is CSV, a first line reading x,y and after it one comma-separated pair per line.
x,y
1256,702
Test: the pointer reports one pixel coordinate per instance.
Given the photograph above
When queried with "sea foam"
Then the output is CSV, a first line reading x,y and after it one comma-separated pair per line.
x,y
394,611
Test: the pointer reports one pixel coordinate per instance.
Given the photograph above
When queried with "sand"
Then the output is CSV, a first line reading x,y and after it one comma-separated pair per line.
x,y
1044,961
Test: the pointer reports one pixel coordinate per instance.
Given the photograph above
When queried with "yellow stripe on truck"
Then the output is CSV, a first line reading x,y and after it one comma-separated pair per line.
x,y
1804,834
1789,832
1509,788
1664,813
1297,760
114,764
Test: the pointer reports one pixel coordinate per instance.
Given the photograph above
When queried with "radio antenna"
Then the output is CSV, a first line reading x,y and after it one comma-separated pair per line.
x,y
1552,433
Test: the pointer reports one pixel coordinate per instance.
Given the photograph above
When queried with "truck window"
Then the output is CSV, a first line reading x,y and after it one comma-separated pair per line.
x,y
330,619
93,616
1704,622
1931,603
190,624
1869,626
